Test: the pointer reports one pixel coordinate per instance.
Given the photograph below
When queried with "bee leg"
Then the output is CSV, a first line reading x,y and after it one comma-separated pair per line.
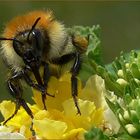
x,y
36,86
74,82
16,91
46,74
46,77
39,87
29,81
12,88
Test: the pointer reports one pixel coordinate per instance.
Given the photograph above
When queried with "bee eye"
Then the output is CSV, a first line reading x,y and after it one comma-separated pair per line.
x,y
18,47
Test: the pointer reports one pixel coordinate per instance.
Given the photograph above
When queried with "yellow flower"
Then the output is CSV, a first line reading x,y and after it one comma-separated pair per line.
x,y
60,120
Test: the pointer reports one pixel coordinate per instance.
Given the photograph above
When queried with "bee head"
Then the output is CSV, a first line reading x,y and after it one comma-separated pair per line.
x,y
28,45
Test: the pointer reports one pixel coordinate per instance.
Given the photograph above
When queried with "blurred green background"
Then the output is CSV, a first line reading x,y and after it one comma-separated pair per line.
x,y
120,23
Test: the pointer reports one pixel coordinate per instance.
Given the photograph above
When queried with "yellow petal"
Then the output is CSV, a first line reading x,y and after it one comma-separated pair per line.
x,y
86,107
97,117
55,115
66,77
40,115
61,90
37,98
94,90
49,129
74,134
7,108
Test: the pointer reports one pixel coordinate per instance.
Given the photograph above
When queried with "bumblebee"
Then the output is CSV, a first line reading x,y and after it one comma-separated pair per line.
x,y
36,40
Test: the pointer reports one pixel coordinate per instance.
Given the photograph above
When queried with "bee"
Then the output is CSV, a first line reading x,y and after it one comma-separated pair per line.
x,y
33,40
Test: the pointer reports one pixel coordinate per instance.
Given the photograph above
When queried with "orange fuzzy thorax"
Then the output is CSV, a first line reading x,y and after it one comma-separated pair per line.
x,y
24,22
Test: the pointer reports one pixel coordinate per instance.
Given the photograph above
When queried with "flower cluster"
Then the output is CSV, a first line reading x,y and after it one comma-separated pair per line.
x,y
122,80
60,120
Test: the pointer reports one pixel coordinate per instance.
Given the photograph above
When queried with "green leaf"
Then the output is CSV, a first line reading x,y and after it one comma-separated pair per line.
x,y
96,134
135,70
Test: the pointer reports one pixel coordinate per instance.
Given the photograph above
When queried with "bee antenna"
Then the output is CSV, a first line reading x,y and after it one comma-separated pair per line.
x,y
33,26
12,39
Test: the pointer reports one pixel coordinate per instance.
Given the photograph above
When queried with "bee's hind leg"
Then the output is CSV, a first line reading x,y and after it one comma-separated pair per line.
x,y
74,82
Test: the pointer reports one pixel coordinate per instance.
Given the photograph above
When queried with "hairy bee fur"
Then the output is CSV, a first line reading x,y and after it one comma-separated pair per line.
x,y
59,42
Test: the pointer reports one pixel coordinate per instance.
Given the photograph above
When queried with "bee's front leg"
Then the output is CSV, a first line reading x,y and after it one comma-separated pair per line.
x,y
16,91
40,87
74,82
